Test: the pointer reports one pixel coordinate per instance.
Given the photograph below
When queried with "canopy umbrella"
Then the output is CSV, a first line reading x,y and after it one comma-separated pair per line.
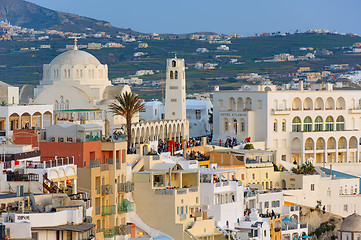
x,y
287,219
306,236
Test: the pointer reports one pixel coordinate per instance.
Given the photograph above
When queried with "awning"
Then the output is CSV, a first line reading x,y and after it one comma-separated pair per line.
x,y
83,227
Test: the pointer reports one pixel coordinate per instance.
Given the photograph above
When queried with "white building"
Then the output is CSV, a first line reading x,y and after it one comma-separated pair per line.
x,y
222,196
130,81
198,116
350,228
223,48
13,117
316,123
48,216
144,72
196,112
340,196
152,111
202,50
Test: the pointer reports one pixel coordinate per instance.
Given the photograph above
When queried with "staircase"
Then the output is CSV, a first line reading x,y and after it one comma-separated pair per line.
x,y
49,185
138,165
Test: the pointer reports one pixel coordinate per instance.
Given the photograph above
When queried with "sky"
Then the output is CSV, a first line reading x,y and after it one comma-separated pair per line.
x,y
244,17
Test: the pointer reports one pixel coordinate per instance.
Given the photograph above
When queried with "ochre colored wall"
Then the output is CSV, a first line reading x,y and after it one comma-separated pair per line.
x,y
26,137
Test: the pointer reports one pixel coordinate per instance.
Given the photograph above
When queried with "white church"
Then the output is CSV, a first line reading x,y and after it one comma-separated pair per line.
x,y
77,84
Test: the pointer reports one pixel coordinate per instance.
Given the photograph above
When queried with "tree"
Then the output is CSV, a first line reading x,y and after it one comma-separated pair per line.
x,y
127,105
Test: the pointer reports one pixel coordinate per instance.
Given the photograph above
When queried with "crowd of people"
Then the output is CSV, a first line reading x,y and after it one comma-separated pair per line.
x,y
232,142
196,155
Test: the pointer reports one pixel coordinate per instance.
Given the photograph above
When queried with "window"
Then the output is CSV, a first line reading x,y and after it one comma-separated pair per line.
x,y
307,124
329,124
296,124
345,207
173,100
173,63
173,87
275,125
242,124
341,192
340,123
253,176
220,103
198,114
318,124
176,75
312,187
283,125
266,204
328,192
259,104
171,75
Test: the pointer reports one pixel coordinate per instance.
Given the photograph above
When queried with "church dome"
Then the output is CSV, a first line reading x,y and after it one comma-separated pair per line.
x,y
351,224
75,57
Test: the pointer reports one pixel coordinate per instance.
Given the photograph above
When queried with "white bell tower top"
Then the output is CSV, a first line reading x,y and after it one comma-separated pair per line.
x,y
175,93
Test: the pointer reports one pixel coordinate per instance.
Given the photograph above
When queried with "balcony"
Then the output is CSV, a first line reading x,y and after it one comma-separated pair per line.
x,y
125,206
355,110
107,189
126,187
285,111
104,167
109,209
110,232
12,177
97,189
125,229
97,210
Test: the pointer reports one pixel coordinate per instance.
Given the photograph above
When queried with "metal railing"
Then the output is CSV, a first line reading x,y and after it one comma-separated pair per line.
x,y
22,177
109,209
104,167
125,206
126,187
107,189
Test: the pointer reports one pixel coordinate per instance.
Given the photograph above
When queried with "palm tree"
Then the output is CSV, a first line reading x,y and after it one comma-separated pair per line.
x,y
127,105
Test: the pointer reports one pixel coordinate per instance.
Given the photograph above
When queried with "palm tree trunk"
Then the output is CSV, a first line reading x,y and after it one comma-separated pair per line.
x,y
129,133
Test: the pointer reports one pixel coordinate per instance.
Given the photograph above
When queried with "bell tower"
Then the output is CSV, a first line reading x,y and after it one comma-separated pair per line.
x,y
175,93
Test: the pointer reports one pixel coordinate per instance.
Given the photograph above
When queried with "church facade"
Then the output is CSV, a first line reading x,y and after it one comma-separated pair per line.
x,y
76,81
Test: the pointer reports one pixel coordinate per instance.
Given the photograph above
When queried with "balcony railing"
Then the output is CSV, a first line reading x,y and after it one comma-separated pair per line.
x,y
97,210
125,229
110,232
104,167
125,206
107,189
97,189
22,177
109,209
126,187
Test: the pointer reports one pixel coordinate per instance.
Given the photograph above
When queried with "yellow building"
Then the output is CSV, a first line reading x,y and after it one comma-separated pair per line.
x,y
275,224
168,199
252,166
142,45
110,191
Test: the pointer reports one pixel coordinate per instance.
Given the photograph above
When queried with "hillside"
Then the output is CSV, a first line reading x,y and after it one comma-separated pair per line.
x,y
29,15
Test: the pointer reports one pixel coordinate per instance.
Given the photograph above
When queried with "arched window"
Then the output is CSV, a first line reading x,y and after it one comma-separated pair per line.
x,y
329,123
307,124
275,125
242,125
318,124
226,125
173,63
329,192
235,126
56,105
340,123
296,124
284,125
171,75
81,73
176,75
